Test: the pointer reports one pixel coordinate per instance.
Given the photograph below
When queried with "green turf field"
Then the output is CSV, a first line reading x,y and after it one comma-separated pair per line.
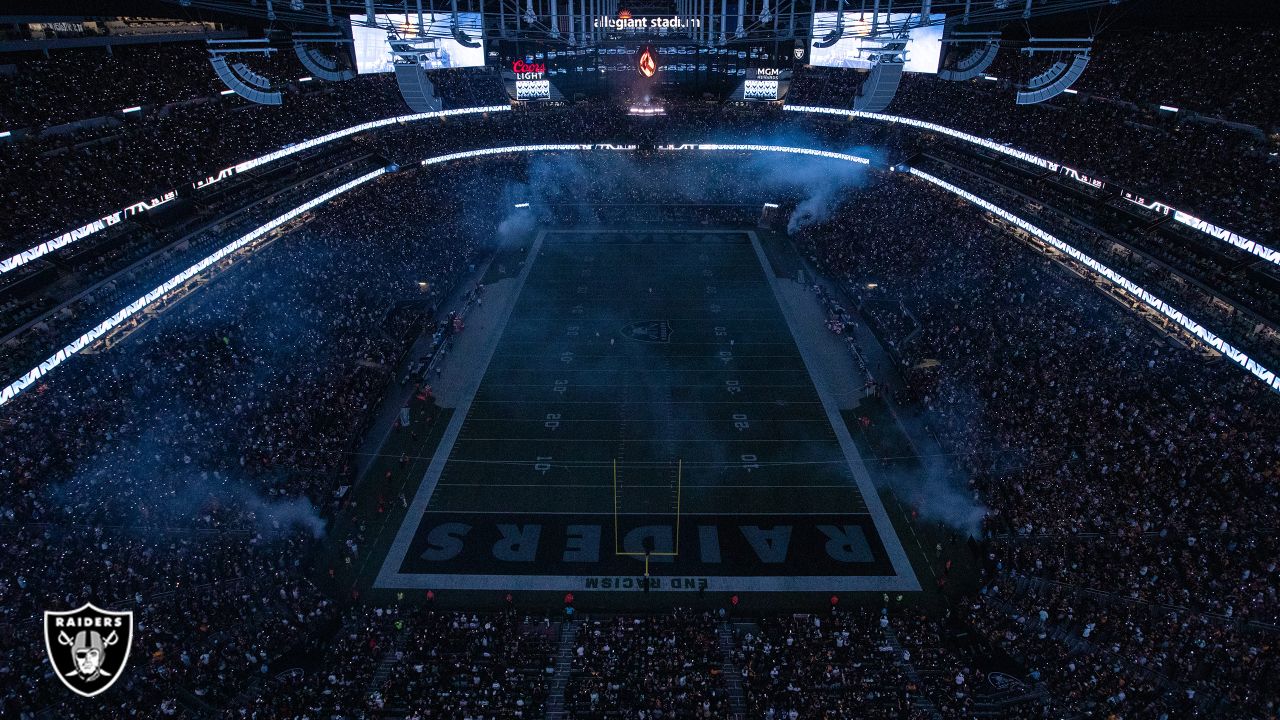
x,y
646,405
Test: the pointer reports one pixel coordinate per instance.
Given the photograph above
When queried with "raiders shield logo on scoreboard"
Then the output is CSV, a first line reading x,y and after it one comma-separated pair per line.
x,y
88,647
799,52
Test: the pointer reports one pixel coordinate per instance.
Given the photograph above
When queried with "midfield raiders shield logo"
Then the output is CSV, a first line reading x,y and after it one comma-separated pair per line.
x,y
88,647
651,331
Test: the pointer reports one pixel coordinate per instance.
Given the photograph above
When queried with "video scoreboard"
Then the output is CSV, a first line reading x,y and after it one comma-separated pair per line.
x,y
537,70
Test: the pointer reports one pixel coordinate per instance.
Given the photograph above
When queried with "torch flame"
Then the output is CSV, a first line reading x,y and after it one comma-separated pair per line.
x,y
648,66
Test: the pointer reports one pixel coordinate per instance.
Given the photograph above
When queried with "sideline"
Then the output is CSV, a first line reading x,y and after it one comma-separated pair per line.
x,y
905,575
389,576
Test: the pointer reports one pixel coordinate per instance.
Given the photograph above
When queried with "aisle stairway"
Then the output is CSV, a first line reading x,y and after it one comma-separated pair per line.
x,y
732,676
389,659
564,666
921,701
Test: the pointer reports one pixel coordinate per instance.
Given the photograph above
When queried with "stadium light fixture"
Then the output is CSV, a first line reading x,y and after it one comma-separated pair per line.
x,y
1069,91
134,109
5,134
228,92
1169,108
308,78
992,78
522,204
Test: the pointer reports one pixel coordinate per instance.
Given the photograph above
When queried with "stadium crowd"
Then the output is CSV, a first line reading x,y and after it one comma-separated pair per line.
x,y
1217,71
1197,167
47,91
823,667
479,666
72,177
1098,479
1113,127
648,668
193,473
119,483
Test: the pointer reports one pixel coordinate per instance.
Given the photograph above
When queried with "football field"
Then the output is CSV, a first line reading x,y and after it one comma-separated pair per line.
x,y
646,408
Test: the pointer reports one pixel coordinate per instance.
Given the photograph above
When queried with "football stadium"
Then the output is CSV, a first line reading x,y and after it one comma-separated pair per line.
x,y
576,359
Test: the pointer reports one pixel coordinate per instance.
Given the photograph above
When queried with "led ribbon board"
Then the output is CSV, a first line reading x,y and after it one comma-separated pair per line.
x,y
1212,340
1269,254
17,386
463,155
71,236
1199,331
1204,226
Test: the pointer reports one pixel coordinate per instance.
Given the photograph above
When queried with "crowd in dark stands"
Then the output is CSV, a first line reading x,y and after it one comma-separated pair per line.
x,y
823,666
191,479
1101,481
193,472
97,285
73,176
484,666
468,87
648,668
1222,72
1215,279
79,84
1120,232
1120,134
